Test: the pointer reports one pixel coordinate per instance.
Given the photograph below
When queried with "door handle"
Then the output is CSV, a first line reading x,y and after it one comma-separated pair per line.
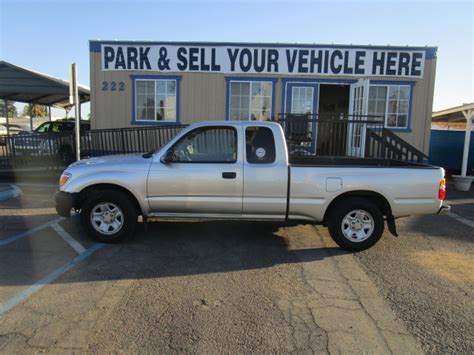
x,y
229,175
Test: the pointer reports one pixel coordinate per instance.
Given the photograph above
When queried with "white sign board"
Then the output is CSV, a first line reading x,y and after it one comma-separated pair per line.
x,y
351,61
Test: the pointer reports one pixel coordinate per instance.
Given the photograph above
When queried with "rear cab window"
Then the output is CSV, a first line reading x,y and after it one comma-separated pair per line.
x,y
259,145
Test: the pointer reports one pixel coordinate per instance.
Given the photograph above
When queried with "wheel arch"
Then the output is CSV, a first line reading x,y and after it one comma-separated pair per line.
x,y
380,200
107,186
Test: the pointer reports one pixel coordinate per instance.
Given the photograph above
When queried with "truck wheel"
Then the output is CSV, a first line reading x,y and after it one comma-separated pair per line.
x,y
356,224
109,216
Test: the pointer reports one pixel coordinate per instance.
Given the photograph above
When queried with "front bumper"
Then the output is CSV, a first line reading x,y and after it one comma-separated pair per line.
x,y
65,201
444,210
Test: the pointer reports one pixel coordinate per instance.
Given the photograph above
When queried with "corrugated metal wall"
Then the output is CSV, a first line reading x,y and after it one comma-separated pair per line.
x,y
447,147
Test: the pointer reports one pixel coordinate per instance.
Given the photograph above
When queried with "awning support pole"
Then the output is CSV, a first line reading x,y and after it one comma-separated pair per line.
x,y
49,113
467,140
5,107
74,99
31,116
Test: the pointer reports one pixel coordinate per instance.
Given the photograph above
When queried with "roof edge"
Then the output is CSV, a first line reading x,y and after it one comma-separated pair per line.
x,y
455,109
57,80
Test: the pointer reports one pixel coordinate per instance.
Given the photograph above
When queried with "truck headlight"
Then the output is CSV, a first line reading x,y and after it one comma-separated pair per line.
x,y
64,178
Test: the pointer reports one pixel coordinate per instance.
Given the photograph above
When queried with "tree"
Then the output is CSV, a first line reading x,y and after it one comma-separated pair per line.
x,y
12,112
36,111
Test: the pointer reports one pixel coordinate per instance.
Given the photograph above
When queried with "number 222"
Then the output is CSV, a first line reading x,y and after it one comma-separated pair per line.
x,y
113,86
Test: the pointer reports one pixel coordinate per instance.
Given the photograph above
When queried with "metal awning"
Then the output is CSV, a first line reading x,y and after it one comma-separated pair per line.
x,y
453,114
29,86
464,112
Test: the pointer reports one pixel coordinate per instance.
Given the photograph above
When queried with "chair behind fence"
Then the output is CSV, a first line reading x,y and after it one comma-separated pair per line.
x,y
329,135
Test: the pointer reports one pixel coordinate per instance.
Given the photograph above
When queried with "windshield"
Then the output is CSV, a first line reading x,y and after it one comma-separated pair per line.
x,y
43,128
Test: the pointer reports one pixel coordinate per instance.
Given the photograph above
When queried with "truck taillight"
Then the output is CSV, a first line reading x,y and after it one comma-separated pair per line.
x,y
442,189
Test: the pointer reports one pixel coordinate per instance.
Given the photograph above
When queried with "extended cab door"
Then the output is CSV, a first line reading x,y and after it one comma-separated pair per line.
x,y
200,174
265,172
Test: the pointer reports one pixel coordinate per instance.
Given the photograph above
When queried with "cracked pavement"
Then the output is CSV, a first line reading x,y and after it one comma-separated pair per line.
x,y
214,287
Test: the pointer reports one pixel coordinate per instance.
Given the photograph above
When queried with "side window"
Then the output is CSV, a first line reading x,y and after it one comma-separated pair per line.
x,y
260,145
207,145
56,128
59,127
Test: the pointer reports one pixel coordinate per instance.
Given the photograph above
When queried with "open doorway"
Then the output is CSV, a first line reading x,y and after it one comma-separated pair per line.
x,y
333,100
333,106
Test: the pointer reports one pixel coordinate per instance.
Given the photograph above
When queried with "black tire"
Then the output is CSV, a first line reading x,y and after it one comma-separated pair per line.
x,y
112,197
342,209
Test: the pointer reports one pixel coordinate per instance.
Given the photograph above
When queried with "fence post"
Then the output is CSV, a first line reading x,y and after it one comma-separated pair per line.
x,y
383,145
123,140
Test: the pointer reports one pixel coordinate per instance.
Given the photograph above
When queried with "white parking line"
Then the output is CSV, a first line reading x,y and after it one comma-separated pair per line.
x,y
29,232
461,219
68,239
23,295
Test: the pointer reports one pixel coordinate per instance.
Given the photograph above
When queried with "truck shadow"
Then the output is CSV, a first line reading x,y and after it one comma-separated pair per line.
x,y
169,249
164,249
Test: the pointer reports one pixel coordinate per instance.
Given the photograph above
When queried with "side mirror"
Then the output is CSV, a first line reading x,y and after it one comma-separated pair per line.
x,y
167,157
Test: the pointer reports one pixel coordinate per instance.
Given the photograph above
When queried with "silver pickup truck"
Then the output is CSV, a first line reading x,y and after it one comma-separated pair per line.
x,y
242,170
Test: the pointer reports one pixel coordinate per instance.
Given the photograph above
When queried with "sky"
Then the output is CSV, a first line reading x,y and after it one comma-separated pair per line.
x,y
49,35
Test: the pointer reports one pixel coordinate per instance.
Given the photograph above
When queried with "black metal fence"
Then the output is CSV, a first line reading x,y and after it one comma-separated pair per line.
x,y
345,136
129,140
318,135
56,150
388,145
45,150
331,135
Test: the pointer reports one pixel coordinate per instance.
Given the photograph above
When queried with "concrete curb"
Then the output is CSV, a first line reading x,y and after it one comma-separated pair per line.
x,y
9,191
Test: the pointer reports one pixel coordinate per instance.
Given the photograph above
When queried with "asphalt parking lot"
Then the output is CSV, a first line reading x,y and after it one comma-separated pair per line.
x,y
233,286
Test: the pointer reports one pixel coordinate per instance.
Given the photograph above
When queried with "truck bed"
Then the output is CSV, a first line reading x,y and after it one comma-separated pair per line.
x,y
314,160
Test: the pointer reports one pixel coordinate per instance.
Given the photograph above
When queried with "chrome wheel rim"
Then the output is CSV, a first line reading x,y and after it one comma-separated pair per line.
x,y
357,226
106,218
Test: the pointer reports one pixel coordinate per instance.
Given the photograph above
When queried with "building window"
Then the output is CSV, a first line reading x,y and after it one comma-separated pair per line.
x,y
390,102
250,100
156,100
302,99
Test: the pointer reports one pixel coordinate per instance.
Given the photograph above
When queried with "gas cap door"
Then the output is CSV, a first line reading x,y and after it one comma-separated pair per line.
x,y
333,184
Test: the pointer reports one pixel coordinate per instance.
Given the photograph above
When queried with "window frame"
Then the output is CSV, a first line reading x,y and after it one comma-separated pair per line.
x,y
250,80
134,79
387,85
236,135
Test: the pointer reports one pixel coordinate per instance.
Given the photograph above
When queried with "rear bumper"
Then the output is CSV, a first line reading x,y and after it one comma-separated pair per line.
x,y
444,210
65,201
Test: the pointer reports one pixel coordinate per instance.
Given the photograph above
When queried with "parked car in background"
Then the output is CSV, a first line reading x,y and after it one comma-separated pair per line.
x,y
242,170
52,138
13,129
